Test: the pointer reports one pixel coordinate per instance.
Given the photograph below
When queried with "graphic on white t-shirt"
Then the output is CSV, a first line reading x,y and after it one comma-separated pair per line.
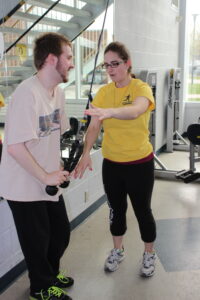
x,y
49,123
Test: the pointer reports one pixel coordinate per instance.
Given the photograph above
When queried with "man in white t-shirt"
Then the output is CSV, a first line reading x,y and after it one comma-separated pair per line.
x,y
31,160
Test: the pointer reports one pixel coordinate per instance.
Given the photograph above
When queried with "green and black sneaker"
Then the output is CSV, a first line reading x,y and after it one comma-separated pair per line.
x,y
52,293
63,281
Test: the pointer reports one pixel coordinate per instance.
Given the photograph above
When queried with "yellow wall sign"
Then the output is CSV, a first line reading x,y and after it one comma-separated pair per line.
x,y
2,102
21,51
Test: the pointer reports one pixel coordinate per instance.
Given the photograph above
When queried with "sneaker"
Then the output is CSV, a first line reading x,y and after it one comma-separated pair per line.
x,y
53,293
148,264
63,281
113,260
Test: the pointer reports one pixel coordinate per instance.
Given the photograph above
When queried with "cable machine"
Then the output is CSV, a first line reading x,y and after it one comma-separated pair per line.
x,y
161,170
175,141
150,77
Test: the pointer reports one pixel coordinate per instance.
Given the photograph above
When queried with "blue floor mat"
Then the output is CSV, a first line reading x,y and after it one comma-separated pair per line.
x,y
178,244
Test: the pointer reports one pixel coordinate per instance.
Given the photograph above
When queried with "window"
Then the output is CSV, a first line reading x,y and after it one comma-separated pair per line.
x,y
175,3
193,87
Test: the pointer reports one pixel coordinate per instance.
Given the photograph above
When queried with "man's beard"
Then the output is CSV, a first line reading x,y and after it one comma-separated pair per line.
x,y
64,78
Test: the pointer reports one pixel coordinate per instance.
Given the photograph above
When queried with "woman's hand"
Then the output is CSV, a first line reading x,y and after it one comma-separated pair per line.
x,y
100,113
84,163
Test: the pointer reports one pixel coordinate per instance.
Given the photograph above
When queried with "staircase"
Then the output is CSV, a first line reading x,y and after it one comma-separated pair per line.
x,y
69,17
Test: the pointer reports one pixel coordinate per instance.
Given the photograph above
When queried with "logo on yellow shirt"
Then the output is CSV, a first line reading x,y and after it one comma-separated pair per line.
x,y
127,100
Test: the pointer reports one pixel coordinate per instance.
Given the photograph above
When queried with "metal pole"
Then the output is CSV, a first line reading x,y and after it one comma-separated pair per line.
x,y
194,31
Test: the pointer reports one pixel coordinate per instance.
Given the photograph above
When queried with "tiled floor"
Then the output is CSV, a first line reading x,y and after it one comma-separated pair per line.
x,y
176,207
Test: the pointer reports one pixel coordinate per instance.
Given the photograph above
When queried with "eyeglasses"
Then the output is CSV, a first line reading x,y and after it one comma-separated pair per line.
x,y
113,64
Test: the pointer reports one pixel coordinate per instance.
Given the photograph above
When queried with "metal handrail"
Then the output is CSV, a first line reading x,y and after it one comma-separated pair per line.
x,y
33,25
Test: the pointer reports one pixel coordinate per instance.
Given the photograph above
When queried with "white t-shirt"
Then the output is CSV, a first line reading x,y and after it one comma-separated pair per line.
x,y
38,120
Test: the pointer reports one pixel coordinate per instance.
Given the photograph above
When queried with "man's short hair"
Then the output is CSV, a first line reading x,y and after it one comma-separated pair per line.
x,y
47,43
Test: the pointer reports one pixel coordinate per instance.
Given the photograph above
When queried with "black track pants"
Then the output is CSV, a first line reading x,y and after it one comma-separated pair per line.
x,y
44,231
135,180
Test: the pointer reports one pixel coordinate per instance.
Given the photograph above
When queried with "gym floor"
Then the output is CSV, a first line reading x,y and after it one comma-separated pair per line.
x,y
176,207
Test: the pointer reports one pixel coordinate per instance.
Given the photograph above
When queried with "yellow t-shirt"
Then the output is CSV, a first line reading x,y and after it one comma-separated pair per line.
x,y
2,103
125,140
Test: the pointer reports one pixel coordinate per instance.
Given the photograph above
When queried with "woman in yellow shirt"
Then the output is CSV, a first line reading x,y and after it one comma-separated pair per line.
x,y
123,108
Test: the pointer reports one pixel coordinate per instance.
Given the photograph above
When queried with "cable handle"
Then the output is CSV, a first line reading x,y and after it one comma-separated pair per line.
x,y
69,165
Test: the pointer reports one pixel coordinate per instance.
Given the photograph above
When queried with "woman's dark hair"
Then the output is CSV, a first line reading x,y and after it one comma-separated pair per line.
x,y
121,50
47,43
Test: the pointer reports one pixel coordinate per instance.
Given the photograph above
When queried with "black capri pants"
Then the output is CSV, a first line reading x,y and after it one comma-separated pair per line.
x,y
136,181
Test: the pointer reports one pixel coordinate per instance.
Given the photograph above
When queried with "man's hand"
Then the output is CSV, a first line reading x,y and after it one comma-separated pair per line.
x,y
56,178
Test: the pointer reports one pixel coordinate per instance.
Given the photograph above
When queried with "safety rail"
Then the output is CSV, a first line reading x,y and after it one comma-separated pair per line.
x,y
56,16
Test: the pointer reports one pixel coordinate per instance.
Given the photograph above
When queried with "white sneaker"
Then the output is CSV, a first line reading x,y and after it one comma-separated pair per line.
x,y
113,260
148,264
